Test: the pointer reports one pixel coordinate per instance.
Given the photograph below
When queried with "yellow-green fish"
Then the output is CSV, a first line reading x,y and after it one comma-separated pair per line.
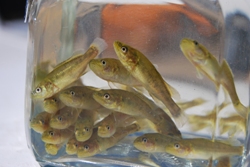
x,y
204,62
68,71
126,102
57,136
52,104
113,71
144,71
72,145
227,81
52,149
84,125
107,127
208,65
41,122
64,118
80,97
232,124
197,148
97,144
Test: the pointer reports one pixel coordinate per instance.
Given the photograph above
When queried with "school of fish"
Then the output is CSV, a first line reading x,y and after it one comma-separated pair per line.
x,y
90,120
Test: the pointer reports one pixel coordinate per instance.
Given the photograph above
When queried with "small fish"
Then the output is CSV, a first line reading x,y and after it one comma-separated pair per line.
x,y
112,70
80,97
52,149
197,148
204,62
135,104
68,71
145,72
52,104
107,127
232,124
227,81
192,103
41,122
97,144
57,136
209,66
71,146
84,125
64,118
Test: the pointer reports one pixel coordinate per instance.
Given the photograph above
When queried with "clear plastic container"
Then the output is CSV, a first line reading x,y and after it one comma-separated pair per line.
x,y
60,29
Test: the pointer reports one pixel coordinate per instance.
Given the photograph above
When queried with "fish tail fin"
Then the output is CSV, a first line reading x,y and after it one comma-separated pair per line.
x,y
173,92
199,126
192,103
241,109
133,128
100,44
180,119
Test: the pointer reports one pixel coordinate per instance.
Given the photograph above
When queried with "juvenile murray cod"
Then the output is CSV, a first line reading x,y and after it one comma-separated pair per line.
x,y
64,118
68,71
197,148
131,103
57,136
144,71
52,104
85,124
80,97
107,127
72,145
98,144
52,149
206,64
112,70
41,122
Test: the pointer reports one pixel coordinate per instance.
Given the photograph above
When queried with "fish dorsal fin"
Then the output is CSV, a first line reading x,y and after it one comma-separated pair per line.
x,y
173,92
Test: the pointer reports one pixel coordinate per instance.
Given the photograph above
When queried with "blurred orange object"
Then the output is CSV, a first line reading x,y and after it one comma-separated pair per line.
x,y
150,27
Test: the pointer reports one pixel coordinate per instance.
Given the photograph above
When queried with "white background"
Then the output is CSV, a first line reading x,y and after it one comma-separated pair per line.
x,y
13,48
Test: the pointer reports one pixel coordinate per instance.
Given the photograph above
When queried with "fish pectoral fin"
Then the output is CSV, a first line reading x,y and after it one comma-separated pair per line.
x,y
173,92
199,74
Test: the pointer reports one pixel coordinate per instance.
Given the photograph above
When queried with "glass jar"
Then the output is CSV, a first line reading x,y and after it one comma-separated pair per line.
x,y
63,30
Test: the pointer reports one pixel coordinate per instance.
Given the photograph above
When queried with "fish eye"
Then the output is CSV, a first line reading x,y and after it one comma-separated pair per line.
x,y
42,122
176,145
124,49
59,118
86,147
72,93
51,133
108,127
38,90
196,43
106,96
86,129
103,62
144,140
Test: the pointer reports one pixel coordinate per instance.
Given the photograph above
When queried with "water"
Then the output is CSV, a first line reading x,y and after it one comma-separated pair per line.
x,y
57,29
